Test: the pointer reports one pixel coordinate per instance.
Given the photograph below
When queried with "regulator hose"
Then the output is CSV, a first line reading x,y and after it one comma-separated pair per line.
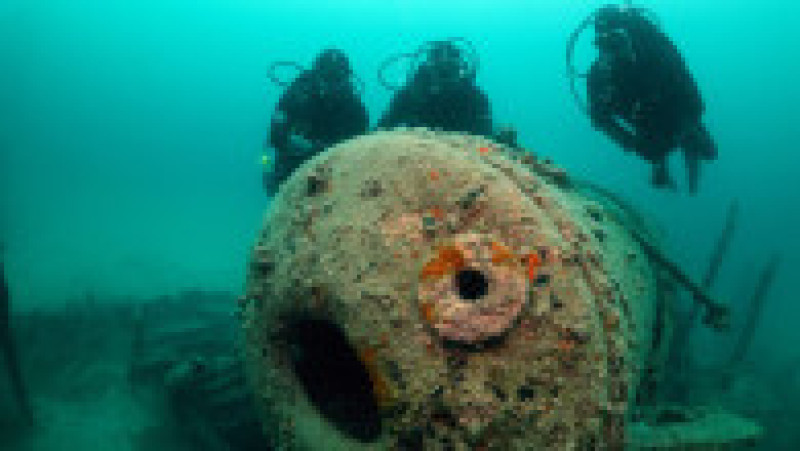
x,y
572,72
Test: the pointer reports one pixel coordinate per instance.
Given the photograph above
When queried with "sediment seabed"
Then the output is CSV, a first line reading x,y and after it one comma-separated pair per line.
x,y
76,361
124,376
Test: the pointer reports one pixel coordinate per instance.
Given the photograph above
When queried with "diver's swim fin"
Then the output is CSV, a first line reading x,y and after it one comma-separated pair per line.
x,y
15,378
661,177
698,141
697,145
692,170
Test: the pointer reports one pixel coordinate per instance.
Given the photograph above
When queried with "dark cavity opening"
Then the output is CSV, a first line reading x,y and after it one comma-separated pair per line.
x,y
471,284
334,378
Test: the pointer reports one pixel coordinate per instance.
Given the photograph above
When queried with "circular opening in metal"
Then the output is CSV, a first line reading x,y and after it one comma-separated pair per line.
x,y
471,284
335,380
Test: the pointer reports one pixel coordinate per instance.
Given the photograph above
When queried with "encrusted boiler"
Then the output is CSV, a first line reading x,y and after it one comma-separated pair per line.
x,y
421,290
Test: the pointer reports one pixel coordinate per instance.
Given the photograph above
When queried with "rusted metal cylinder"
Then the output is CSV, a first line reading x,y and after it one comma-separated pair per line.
x,y
421,290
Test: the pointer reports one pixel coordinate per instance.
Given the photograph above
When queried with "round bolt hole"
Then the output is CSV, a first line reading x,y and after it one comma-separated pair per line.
x,y
471,284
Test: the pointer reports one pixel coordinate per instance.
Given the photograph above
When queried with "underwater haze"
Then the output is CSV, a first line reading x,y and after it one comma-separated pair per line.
x,y
131,134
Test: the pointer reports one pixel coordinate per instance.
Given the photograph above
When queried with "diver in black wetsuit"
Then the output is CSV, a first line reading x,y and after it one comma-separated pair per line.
x,y
319,108
441,93
9,351
642,95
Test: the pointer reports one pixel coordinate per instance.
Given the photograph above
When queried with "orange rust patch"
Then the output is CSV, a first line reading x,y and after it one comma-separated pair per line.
x,y
611,321
500,254
449,260
565,345
483,150
437,213
380,389
426,311
434,175
368,354
534,261
429,347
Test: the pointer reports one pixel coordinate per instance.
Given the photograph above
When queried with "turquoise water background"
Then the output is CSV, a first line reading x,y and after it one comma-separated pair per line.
x,y
131,131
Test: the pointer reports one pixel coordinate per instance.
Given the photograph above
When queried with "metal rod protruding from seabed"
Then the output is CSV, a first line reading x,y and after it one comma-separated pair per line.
x,y
9,351
756,306
717,314
720,250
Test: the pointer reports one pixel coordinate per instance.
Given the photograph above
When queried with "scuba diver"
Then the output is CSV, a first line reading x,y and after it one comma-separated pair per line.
x,y
321,107
641,93
440,90
9,351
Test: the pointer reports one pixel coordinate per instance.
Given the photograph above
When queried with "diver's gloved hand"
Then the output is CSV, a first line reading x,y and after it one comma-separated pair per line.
x,y
630,143
630,147
661,177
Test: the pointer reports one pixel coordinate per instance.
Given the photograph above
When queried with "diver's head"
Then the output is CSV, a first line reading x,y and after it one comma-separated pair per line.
x,y
445,62
332,66
611,34
610,17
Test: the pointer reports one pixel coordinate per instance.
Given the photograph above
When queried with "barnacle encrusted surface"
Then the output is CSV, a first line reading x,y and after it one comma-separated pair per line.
x,y
486,303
